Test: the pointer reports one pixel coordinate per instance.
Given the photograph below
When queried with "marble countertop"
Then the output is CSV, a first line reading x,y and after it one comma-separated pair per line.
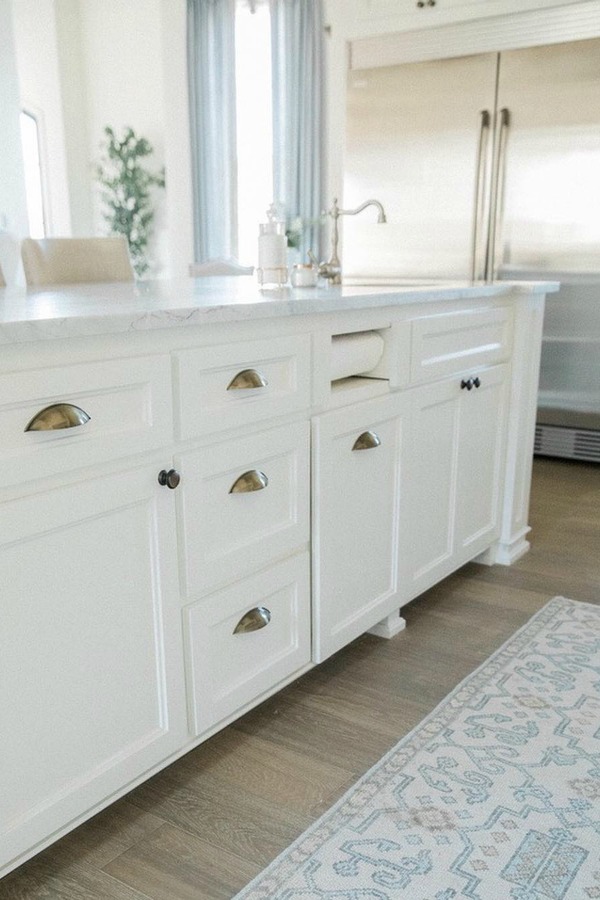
x,y
93,309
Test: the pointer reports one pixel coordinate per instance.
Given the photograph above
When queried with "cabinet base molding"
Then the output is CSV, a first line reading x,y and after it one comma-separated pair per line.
x,y
389,627
504,554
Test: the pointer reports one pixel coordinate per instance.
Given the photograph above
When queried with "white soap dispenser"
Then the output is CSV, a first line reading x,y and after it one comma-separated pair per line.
x,y
272,251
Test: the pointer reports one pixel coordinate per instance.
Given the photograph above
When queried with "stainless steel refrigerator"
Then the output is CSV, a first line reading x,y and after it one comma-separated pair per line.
x,y
488,167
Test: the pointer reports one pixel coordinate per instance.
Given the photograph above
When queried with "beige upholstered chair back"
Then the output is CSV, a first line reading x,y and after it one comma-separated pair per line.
x,y
75,260
2,281
219,267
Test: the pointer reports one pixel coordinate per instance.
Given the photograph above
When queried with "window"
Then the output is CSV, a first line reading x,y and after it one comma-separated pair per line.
x,y
254,123
30,139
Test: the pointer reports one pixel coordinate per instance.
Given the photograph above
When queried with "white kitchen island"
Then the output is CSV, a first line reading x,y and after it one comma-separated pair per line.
x,y
225,515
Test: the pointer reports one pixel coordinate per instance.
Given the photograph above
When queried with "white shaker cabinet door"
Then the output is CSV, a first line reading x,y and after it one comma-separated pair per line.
x,y
427,523
357,493
453,488
91,671
481,444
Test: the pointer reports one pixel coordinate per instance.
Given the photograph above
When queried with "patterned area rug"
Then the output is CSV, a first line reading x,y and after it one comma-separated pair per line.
x,y
495,795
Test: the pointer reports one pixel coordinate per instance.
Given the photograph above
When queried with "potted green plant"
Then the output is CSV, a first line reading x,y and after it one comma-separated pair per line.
x,y
126,191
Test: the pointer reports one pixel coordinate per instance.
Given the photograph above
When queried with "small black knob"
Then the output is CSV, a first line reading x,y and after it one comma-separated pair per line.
x,y
169,479
477,382
467,383
420,3
431,2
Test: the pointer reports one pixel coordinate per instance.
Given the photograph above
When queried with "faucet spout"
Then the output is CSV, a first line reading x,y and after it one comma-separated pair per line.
x,y
332,270
381,219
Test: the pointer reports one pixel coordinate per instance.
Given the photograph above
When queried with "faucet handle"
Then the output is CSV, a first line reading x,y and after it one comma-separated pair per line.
x,y
332,272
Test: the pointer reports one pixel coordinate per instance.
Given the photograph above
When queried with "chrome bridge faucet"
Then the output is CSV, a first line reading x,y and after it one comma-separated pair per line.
x,y
332,270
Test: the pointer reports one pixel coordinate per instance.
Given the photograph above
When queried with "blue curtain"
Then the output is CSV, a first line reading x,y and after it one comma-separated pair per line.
x,y
297,37
211,81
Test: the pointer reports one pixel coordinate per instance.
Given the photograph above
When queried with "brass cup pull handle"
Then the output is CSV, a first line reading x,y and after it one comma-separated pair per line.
x,y
58,415
247,379
367,441
249,481
253,620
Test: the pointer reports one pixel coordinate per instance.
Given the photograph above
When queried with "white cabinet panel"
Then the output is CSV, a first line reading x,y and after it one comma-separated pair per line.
x,y
453,491
427,521
91,671
128,401
418,12
229,669
448,343
226,534
388,16
356,502
207,402
480,452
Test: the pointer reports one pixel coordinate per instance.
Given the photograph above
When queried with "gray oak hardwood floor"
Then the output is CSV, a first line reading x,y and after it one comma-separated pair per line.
x,y
205,826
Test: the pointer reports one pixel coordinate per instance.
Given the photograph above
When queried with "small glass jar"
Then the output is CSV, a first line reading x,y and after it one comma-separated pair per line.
x,y
304,275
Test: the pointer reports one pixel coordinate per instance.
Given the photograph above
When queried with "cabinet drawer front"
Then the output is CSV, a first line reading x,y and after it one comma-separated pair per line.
x,y
128,403
228,534
452,342
207,401
228,670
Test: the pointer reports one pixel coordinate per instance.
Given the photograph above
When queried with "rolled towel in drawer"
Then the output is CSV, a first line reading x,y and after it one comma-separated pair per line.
x,y
355,354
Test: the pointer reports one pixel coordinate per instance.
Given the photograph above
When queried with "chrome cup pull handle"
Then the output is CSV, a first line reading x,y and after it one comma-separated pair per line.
x,y
367,441
249,481
58,415
254,620
246,380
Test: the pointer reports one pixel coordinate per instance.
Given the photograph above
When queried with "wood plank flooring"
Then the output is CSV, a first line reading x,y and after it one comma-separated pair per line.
x,y
204,827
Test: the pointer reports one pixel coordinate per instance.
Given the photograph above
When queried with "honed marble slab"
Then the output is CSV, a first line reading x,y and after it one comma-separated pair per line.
x,y
94,309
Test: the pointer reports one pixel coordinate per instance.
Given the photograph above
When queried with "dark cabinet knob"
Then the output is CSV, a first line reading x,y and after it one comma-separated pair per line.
x,y
477,382
467,383
169,479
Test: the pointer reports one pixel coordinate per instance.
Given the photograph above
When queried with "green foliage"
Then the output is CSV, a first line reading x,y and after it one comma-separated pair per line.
x,y
126,184
296,226
294,230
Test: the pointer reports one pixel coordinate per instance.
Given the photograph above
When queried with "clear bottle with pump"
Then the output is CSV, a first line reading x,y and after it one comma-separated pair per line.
x,y
272,251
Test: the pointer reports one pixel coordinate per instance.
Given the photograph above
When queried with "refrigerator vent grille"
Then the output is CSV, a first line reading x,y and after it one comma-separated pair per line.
x,y
569,443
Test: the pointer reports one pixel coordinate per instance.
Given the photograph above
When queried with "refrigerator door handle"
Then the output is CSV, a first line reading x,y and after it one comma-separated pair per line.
x,y
497,181
480,180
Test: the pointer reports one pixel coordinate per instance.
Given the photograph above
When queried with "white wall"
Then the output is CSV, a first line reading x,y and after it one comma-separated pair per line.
x,y
40,89
71,67
13,207
124,77
85,64
178,162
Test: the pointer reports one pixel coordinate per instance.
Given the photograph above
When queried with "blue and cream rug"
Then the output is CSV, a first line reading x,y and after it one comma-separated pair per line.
x,y
495,795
